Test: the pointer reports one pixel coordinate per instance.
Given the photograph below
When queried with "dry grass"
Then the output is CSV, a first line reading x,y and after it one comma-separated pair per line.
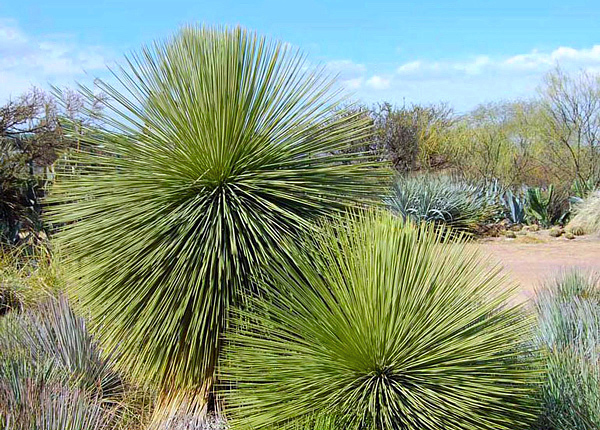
x,y
529,239
587,216
27,276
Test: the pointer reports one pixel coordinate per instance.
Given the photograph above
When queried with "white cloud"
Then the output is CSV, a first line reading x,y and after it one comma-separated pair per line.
x,y
409,67
345,67
378,82
353,84
567,57
349,73
476,66
467,82
37,61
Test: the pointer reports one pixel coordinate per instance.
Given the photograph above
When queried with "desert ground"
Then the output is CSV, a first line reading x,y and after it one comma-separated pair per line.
x,y
533,258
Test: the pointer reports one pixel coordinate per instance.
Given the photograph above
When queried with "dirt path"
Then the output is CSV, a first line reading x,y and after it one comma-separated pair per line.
x,y
530,264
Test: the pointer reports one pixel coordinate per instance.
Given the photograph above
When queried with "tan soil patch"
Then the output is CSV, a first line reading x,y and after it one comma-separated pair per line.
x,y
533,258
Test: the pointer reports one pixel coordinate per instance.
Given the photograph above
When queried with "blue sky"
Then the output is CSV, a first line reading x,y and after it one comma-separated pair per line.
x,y
461,52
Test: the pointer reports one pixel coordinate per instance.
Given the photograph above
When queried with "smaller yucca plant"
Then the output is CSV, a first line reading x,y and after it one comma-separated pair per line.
x,y
53,376
54,332
381,325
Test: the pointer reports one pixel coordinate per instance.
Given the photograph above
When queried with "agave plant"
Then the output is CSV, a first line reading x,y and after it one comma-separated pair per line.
x,y
441,200
218,145
382,326
515,206
538,205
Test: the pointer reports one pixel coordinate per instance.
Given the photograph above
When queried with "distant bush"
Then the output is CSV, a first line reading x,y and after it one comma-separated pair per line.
x,y
569,319
442,200
32,139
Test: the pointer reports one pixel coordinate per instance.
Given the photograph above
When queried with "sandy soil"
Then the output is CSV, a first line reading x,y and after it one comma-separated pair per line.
x,y
534,257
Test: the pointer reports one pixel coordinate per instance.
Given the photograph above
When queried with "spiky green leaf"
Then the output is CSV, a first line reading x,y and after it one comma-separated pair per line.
x,y
384,326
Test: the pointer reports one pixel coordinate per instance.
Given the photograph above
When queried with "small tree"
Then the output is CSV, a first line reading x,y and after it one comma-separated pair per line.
x,y
411,136
31,140
571,108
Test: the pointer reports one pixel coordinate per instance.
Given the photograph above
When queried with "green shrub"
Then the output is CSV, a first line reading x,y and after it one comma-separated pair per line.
x,y
237,147
382,326
569,319
441,199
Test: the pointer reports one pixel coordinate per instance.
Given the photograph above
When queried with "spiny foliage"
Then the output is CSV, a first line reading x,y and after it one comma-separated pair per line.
x,y
220,144
441,200
52,375
53,332
383,326
568,311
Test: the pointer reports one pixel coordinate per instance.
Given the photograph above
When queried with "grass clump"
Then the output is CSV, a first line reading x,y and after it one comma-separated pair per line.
x,y
28,275
587,216
382,326
569,319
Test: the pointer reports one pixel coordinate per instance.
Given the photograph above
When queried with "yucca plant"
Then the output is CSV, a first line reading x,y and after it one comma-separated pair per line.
x,y
219,145
382,325
53,332
54,376
35,398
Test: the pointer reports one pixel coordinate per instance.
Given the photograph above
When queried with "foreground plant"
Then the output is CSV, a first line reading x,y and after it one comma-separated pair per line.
x,y
220,144
382,326
52,374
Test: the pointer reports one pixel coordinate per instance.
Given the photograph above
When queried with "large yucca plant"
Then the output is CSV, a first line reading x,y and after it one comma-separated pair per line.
x,y
382,326
219,144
